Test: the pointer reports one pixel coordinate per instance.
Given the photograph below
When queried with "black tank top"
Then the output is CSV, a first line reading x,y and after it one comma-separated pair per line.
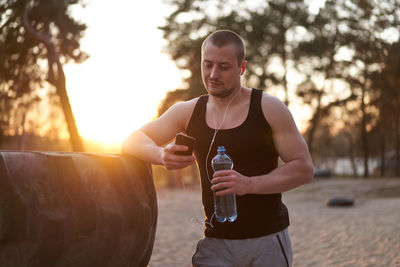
x,y
252,150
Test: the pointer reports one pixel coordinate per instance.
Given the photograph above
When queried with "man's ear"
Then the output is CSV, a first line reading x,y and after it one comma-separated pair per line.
x,y
243,67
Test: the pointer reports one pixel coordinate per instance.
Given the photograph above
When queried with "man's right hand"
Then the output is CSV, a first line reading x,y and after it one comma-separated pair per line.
x,y
171,161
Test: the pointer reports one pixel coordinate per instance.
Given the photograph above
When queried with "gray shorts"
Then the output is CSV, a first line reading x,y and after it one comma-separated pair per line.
x,y
273,250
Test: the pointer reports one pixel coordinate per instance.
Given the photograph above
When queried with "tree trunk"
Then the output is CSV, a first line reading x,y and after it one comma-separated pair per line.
x,y
351,153
364,139
75,138
314,123
283,30
22,139
382,151
397,133
57,78
382,137
285,84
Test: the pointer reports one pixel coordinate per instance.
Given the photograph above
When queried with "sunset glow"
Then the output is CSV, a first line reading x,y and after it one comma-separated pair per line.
x,y
120,86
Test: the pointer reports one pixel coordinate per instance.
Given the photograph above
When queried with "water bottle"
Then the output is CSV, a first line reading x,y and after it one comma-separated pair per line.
x,y
224,206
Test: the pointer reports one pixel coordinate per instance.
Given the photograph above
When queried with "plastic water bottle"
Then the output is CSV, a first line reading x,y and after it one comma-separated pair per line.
x,y
224,206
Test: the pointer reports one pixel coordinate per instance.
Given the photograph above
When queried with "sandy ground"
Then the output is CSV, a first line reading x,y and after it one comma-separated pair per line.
x,y
366,234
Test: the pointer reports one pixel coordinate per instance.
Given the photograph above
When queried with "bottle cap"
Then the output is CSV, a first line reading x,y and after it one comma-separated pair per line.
x,y
221,149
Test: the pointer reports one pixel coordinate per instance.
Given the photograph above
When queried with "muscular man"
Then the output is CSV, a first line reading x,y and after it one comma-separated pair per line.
x,y
256,129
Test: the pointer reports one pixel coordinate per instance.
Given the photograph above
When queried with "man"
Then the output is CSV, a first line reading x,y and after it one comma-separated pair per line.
x,y
256,129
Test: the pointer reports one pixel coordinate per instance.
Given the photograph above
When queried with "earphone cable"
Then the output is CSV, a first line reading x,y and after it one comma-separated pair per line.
x,y
216,129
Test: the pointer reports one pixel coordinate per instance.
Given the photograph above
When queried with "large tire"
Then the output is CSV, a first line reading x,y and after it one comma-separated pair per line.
x,y
75,209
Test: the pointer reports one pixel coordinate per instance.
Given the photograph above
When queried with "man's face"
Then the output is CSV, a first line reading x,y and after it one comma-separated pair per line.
x,y
220,70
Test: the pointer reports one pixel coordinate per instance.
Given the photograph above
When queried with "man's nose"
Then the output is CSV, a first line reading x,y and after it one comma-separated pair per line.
x,y
214,72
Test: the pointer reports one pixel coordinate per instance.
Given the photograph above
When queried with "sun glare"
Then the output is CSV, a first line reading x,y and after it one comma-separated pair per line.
x,y
119,88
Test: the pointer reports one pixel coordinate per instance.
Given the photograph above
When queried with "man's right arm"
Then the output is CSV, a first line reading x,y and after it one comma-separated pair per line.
x,y
148,142
142,146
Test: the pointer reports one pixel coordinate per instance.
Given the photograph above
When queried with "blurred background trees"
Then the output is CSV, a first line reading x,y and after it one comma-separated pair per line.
x,y
36,38
335,61
339,58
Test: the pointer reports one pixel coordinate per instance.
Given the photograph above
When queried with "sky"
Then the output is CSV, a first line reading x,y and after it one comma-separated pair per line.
x,y
119,87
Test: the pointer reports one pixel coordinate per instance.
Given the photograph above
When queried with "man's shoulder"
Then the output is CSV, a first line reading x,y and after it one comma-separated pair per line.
x,y
274,110
186,109
270,101
186,105
182,110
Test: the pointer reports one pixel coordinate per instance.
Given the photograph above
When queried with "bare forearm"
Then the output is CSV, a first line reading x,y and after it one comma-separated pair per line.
x,y
140,145
282,179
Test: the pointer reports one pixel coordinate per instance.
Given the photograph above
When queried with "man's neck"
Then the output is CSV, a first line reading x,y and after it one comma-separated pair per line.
x,y
218,103
222,109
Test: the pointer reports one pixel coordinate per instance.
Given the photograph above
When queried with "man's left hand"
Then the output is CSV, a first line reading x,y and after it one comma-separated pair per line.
x,y
230,182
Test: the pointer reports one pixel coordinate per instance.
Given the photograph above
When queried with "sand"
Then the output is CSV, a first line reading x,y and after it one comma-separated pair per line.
x,y
366,234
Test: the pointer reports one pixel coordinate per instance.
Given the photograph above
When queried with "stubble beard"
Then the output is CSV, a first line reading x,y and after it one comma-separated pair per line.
x,y
223,94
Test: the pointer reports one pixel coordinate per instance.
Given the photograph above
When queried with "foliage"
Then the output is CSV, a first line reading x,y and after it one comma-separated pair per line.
x,y
265,29
341,61
23,58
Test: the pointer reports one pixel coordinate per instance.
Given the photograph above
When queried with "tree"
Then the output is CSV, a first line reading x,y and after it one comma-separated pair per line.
x,y
387,83
368,22
264,28
36,38
391,76
344,55
346,44
317,59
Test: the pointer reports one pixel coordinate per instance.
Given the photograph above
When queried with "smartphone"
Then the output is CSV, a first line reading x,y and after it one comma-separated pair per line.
x,y
186,140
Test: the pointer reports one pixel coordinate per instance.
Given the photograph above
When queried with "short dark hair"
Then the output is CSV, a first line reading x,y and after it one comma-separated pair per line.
x,y
221,38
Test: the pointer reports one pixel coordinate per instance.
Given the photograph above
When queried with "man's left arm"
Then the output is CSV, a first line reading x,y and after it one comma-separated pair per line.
x,y
292,149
